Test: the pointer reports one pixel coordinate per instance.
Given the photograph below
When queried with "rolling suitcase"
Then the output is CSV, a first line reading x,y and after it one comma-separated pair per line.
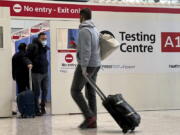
x,y
124,115
26,101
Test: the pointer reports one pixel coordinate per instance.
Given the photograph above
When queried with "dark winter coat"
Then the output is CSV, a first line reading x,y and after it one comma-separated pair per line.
x,y
37,56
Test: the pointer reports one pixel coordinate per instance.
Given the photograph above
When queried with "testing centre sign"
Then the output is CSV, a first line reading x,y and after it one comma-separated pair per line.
x,y
149,42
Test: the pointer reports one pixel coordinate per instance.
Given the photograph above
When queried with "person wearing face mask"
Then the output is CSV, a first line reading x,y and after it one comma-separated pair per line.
x,y
37,61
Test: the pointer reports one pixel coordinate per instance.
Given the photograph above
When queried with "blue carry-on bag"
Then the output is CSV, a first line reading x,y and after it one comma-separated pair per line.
x,y
26,101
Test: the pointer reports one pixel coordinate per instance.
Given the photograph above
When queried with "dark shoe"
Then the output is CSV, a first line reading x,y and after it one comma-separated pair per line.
x,y
38,114
14,113
43,110
89,123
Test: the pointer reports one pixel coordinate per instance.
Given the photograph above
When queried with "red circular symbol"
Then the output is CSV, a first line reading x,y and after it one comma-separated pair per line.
x,y
68,58
17,8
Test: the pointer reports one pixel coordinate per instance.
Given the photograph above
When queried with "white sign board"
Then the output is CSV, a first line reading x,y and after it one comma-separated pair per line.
x,y
149,43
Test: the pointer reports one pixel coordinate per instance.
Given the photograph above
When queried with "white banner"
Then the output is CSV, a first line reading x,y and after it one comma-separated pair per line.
x,y
149,42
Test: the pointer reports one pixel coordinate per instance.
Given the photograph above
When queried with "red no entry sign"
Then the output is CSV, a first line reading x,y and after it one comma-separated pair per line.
x,y
68,58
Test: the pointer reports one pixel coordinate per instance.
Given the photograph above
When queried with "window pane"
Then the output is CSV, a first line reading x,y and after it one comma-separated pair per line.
x,y
1,37
67,38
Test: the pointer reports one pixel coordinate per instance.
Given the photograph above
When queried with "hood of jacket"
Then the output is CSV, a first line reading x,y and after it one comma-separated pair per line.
x,y
87,24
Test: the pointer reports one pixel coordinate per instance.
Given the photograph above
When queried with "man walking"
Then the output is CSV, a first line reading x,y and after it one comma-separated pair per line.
x,y
89,62
37,54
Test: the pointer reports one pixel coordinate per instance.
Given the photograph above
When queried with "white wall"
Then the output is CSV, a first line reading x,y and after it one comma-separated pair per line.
x,y
143,90
5,62
152,88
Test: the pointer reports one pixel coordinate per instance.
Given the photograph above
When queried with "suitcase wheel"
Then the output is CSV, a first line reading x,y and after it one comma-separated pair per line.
x,y
132,129
124,131
23,116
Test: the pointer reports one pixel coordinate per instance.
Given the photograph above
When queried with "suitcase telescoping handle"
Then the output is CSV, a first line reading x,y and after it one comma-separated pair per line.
x,y
30,79
97,89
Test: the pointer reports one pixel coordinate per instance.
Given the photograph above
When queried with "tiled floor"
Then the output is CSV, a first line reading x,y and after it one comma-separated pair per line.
x,y
153,123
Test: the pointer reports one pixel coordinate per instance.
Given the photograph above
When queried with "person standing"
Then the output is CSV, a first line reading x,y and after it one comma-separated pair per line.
x,y
37,54
19,69
89,62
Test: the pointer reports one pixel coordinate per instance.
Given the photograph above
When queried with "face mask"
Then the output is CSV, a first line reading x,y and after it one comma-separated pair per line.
x,y
44,42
